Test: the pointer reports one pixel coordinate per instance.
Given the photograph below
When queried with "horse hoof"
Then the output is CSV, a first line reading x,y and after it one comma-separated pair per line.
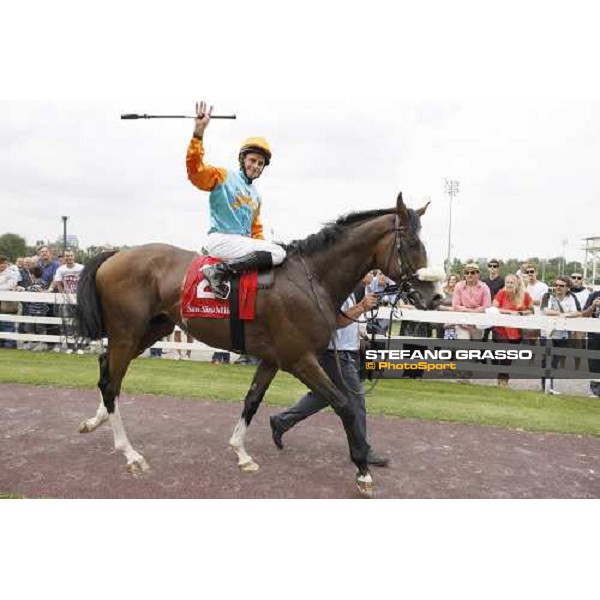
x,y
249,467
90,425
85,427
139,465
365,485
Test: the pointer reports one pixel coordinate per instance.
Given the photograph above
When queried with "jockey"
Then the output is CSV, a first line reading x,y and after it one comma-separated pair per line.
x,y
236,233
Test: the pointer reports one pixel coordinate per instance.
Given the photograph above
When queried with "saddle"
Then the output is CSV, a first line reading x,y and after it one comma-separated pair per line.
x,y
198,301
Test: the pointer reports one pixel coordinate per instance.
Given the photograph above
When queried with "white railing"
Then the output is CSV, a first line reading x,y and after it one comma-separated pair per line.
x,y
490,319
63,298
482,320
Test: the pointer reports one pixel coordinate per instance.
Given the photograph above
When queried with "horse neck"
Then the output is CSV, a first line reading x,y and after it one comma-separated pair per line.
x,y
342,266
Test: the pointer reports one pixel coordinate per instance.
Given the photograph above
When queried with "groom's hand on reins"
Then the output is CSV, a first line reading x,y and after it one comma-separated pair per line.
x,y
369,302
202,118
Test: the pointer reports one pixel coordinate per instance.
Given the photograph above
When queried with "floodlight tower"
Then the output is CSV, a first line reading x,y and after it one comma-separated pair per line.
x,y
452,189
64,220
565,241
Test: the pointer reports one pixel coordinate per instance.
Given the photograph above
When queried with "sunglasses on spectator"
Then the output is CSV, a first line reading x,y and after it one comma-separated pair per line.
x,y
560,285
530,271
493,266
471,272
576,277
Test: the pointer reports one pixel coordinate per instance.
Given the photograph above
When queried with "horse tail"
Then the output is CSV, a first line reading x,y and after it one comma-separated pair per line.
x,y
88,321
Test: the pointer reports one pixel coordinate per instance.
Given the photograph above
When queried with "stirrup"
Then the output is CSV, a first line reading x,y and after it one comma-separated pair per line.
x,y
222,288
222,291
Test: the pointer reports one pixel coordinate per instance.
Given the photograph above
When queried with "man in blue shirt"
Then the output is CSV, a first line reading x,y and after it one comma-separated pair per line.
x,y
49,266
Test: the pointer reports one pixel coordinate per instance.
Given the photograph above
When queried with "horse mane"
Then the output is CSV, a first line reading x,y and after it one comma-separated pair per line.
x,y
332,230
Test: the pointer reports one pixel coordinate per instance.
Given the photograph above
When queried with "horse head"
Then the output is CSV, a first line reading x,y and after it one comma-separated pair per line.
x,y
405,258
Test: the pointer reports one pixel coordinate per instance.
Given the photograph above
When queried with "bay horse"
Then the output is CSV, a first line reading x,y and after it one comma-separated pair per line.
x,y
133,298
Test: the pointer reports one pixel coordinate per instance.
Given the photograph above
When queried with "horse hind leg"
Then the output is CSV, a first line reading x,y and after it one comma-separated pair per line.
x,y
135,461
113,366
112,372
91,424
101,416
260,383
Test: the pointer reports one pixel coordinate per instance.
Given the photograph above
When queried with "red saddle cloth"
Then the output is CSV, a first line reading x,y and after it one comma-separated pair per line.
x,y
197,299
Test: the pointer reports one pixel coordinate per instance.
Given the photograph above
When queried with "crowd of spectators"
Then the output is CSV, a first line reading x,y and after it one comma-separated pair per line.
x,y
521,294
42,273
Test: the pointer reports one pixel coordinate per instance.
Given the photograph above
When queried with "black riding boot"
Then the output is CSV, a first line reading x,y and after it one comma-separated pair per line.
x,y
218,274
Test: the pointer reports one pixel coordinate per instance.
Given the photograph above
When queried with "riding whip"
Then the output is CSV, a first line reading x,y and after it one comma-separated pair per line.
x,y
136,116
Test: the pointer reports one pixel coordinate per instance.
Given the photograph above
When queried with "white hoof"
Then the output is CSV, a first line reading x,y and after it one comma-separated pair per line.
x,y
365,485
248,467
245,462
90,425
87,426
137,465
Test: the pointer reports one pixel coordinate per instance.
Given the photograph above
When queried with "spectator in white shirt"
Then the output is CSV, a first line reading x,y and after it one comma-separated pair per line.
x,y
556,304
66,280
534,287
8,282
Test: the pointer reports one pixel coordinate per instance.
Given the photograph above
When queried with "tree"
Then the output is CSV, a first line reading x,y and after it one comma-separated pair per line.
x,y
457,266
547,268
12,246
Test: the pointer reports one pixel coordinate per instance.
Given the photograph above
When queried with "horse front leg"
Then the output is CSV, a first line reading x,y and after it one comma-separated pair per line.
x,y
309,371
263,376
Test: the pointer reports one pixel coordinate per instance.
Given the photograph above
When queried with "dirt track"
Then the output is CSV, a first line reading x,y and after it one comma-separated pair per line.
x,y
42,455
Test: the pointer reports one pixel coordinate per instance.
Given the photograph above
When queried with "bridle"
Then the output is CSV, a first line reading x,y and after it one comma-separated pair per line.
x,y
408,271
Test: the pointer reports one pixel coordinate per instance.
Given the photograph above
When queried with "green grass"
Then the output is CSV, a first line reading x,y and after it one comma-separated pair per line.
x,y
429,400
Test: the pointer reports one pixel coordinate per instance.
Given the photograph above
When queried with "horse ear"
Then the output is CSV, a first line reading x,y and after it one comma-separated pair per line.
x,y
402,210
421,211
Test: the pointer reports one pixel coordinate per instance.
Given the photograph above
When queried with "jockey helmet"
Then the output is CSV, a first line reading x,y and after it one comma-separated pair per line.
x,y
258,145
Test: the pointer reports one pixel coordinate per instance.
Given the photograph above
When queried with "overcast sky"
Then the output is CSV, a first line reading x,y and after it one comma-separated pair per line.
x,y
358,100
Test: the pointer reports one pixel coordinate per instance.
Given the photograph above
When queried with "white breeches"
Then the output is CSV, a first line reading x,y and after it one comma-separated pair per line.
x,y
231,245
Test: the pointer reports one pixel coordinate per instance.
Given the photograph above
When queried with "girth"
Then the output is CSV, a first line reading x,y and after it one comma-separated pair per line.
x,y
236,325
